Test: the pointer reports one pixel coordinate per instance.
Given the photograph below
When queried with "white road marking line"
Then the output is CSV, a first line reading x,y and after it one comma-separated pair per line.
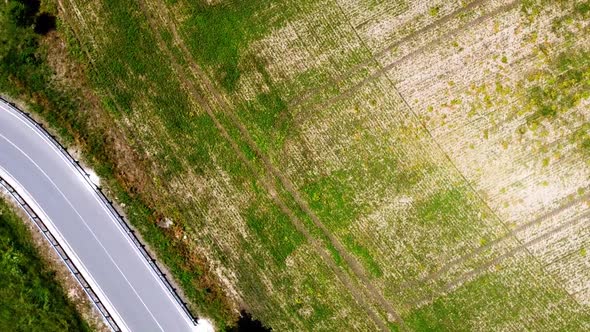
x,y
32,202
88,227
16,114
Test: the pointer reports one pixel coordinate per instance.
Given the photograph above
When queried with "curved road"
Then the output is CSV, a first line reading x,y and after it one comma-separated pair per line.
x,y
87,229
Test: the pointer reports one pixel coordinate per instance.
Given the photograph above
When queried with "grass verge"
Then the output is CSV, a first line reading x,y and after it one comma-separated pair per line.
x,y
30,297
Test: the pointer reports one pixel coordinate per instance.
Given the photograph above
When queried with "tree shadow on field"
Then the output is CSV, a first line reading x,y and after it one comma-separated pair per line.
x,y
45,23
247,324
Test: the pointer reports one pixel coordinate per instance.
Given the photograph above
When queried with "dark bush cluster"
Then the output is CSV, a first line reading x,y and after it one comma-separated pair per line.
x,y
247,324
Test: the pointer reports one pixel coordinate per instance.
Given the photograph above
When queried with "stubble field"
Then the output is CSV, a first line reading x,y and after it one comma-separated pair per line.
x,y
357,165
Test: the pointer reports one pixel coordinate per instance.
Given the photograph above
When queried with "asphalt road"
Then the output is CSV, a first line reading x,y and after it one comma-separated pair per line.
x,y
89,232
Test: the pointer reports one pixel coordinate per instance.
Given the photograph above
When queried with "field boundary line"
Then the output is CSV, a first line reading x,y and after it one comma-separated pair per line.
x,y
469,185
485,205
383,69
511,234
312,91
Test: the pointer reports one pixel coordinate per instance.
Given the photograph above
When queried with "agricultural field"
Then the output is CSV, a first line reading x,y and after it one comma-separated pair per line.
x,y
336,165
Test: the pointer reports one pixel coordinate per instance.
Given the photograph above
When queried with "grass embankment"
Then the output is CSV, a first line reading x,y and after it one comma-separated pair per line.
x,y
30,297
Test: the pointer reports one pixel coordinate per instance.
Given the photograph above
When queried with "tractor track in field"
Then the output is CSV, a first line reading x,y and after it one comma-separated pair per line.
x,y
512,252
512,234
269,182
445,19
301,101
310,92
384,69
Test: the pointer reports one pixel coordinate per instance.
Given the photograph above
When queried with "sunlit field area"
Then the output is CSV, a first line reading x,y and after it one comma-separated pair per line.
x,y
340,165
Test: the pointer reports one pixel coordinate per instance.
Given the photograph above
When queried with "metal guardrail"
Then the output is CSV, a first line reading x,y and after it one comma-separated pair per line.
x,y
60,252
109,204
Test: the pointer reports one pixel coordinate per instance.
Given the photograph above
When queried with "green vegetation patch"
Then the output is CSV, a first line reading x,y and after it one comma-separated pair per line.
x,y
453,215
443,205
562,87
364,255
269,116
581,137
30,297
130,57
220,33
521,294
23,71
332,198
275,231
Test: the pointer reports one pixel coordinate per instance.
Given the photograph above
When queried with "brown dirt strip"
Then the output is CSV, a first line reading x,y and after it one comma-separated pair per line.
x,y
384,69
478,271
269,182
